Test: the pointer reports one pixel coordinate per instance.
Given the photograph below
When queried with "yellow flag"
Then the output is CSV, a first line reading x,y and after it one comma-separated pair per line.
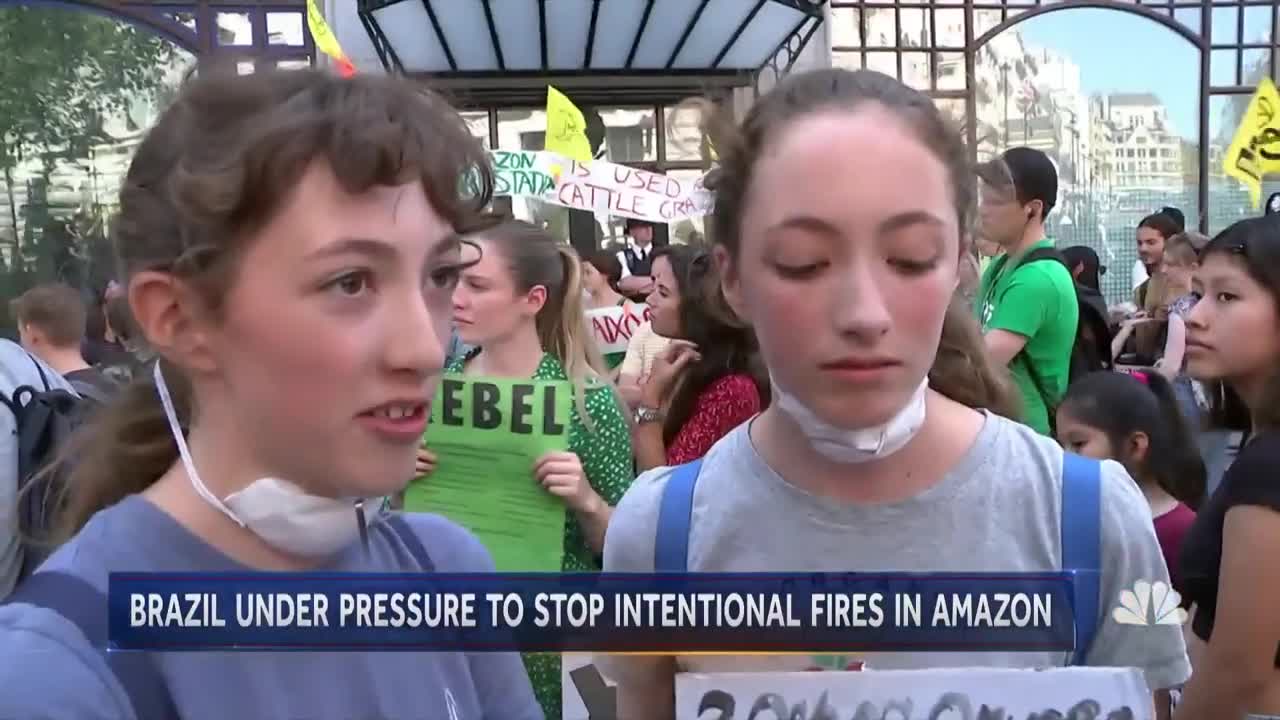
x,y
1255,151
566,127
326,41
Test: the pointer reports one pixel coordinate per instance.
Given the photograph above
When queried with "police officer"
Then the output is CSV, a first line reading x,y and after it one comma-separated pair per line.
x,y
636,258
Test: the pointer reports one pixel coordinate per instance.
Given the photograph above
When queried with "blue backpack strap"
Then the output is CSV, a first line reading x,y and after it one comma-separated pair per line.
x,y
85,607
411,541
675,515
1082,543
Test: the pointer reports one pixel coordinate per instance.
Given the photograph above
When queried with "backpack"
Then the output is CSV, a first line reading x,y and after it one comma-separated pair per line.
x,y
1081,536
43,420
1091,350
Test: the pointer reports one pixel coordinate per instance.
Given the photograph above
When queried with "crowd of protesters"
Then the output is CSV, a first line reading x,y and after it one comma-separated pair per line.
x,y
881,362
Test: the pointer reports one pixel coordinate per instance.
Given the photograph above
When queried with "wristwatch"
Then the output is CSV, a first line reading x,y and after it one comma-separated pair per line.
x,y
644,415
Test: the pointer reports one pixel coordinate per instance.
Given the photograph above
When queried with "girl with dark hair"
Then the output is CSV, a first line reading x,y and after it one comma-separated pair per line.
x,y
841,204
1233,342
1134,420
520,305
708,381
289,245
601,271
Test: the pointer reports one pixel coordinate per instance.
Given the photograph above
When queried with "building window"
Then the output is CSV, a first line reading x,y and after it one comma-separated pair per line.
x,y
285,28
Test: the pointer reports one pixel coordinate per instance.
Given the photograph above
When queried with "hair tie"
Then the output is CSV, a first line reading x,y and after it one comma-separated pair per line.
x,y
1141,377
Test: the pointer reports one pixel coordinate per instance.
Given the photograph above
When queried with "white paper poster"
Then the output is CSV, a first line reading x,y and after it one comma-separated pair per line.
x,y
598,186
613,326
942,694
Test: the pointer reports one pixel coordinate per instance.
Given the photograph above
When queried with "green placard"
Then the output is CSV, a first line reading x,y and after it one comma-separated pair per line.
x,y
486,434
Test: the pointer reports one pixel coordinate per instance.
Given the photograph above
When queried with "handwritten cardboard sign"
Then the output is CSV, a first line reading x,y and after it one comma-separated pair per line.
x,y
613,326
598,186
1082,693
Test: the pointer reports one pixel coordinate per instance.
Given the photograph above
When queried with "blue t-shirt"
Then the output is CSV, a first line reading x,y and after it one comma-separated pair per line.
x,y
48,669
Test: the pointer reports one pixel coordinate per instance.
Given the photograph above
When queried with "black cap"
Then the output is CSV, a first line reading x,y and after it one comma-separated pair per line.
x,y
1086,259
1084,255
1033,175
1176,215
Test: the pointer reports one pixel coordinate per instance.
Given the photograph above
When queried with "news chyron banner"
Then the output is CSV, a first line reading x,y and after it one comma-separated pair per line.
x,y
593,612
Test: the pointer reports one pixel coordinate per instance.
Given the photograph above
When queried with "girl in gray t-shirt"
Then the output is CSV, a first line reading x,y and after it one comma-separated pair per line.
x,y
839,211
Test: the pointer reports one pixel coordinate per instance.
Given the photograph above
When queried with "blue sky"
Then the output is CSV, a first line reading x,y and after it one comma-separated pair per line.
x,y
1118,51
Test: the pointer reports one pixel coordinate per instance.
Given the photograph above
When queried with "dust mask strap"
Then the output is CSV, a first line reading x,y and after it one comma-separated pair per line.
x,y
171,415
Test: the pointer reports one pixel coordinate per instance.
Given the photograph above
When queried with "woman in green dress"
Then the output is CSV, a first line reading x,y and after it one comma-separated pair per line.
x,y
520,305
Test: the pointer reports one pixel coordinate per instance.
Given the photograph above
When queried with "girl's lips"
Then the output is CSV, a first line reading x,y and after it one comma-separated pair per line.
x,y
407,428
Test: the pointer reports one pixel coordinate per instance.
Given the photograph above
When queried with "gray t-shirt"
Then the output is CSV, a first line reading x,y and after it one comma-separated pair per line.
x,y
17,368
49,671
998,510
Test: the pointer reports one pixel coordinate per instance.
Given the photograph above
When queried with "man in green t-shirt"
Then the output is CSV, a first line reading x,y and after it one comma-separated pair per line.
x,y
1028,312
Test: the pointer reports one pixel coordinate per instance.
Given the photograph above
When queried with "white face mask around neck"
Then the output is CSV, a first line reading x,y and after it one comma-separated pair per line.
x,y
284,515
855,446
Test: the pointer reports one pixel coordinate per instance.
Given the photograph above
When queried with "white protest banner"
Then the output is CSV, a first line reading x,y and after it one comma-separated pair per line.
x,y
585,694
1082,693
598,186
613,326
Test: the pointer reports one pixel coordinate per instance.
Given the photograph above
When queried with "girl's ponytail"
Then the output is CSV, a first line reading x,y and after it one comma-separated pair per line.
x,y
124,448
563,330
964,372
1178,467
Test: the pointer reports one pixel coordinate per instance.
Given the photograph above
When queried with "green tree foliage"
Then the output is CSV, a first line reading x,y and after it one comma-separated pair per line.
x,y
64,76
63,71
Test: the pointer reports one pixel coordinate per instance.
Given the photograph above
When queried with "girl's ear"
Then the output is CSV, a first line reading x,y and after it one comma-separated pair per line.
x,y
536,298
1136,446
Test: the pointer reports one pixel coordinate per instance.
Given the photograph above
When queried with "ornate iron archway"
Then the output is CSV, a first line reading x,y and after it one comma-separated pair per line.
x,y
243,30
166,25
940,46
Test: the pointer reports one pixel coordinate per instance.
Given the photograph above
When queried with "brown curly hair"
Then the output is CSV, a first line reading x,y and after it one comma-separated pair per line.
x,y
219,164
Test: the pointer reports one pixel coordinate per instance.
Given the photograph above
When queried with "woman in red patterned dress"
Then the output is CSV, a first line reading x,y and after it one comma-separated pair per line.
x,y
709,379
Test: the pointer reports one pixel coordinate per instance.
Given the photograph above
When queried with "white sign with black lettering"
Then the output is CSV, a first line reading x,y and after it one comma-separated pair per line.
x,y
1080,693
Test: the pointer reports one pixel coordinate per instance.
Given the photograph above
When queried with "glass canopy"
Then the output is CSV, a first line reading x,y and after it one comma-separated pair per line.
x,y
447,37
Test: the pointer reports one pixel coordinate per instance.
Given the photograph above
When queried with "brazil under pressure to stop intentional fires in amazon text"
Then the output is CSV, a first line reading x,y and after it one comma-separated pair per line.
x,y
602,612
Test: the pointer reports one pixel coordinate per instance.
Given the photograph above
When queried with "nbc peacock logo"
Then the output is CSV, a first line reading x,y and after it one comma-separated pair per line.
x,y
1149,604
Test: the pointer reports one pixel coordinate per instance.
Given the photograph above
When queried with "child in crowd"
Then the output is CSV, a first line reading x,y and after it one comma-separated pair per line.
x,y
1134,420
